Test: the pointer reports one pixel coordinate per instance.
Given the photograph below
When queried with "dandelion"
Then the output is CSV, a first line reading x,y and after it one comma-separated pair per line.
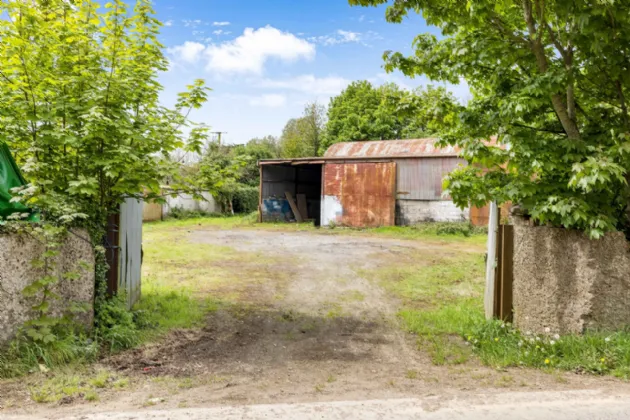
x,y
496,339
607,339
520,343
526,353
502,325
552,342
547,361
603,359
469,337
556,336
547,330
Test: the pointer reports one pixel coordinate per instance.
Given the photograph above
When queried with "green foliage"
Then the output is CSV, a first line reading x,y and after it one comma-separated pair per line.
x,y
79,104
246,199
549,80
302,137
231,173
364,112
115,326
79,107
179,213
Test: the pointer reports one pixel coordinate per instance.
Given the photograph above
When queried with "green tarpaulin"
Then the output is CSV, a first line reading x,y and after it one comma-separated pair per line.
x,y
10,177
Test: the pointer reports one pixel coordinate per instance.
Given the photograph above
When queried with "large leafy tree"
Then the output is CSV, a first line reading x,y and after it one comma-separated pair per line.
x,y
549,80
365,112
79,104
303,136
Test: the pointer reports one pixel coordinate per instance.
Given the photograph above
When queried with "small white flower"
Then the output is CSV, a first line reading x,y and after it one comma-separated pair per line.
x,y
537,338
547,329
502,325
520,344
552,342
526,353
607,339
528,333
556,336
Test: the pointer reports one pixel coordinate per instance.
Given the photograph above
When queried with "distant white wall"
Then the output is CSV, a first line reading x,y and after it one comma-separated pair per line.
x,y
409,212
187,202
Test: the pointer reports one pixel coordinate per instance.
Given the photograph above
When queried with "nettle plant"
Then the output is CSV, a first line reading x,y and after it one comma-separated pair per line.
x,y
549,79
79,108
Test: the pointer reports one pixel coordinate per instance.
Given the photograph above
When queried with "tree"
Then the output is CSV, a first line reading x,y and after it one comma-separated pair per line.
x,y
257,149
302,137
79,105
364,112
549,80
220,173
357,114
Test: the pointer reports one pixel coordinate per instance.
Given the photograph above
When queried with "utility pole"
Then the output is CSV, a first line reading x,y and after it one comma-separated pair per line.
x,y
219,133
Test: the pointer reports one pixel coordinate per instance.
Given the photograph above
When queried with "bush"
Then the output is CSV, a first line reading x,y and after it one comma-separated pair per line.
x,y
179,213
245,199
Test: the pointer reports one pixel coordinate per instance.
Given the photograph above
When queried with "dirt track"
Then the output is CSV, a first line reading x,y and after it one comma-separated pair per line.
x,y
309,328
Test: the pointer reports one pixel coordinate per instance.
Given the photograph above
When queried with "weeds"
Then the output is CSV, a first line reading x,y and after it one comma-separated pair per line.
x,y
499,344
443,306
70,386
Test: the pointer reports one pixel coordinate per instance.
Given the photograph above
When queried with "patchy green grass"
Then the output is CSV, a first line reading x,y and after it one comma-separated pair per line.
x,y
443,232
499,344
443,304
74,383
442,299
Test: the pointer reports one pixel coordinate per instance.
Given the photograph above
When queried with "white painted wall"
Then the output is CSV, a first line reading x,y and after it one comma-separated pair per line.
x,y
417,211
331,210
187,202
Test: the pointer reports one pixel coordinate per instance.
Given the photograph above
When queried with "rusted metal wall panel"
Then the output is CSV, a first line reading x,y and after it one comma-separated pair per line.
x,y
390,148
359,194
421,178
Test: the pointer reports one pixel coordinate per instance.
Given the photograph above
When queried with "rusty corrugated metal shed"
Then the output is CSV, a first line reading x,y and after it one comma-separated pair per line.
x,y
361,194
390,149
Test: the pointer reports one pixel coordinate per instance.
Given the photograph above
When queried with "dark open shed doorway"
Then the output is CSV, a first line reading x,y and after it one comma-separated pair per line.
x,y
303,181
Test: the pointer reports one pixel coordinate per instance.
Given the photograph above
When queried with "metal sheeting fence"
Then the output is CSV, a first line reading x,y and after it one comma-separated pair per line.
x,y
124,251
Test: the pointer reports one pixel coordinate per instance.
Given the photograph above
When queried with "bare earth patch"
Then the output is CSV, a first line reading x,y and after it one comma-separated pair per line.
x,y
305,326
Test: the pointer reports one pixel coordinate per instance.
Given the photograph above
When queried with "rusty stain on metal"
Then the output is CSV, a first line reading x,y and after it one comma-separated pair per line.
x,y
390,148
366,191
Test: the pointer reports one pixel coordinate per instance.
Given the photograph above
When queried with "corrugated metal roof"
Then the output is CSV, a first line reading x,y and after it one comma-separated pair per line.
x,y
390,149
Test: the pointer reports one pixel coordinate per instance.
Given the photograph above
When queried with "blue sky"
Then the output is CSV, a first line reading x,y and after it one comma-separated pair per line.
x,y
264,59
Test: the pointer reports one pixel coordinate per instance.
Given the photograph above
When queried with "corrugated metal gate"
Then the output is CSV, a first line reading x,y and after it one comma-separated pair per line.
x,y
361,194
124,250
131,249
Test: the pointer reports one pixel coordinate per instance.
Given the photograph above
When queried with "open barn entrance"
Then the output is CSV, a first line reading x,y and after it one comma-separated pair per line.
x,y
290,187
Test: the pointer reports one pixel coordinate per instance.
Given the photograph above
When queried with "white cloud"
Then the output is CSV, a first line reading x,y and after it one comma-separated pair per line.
x,y
221,32
189,52
220,23
269,101
192,23
361,18
308,83
249,52
168,23
339,37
